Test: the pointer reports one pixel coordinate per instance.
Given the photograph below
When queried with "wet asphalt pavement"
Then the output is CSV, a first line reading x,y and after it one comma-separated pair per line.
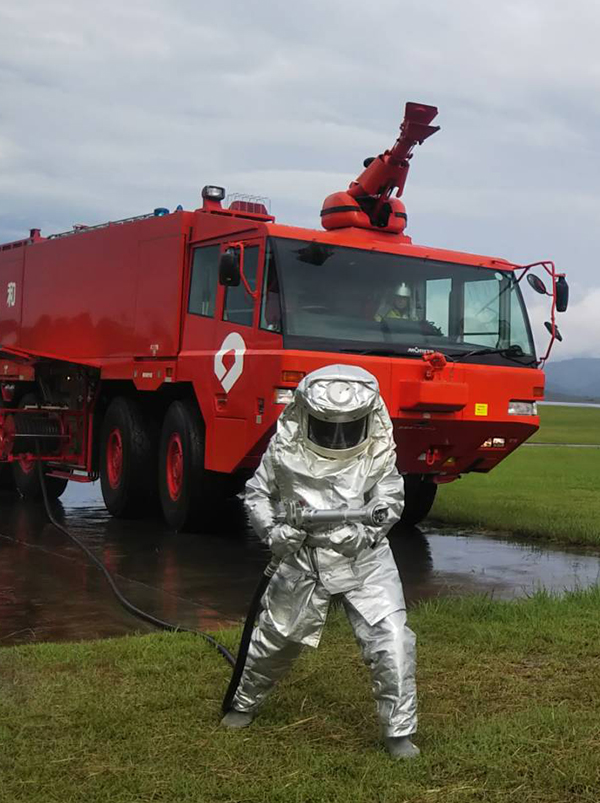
x,y
49,591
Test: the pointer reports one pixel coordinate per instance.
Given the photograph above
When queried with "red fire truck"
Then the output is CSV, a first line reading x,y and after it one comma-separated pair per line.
x,y
157,352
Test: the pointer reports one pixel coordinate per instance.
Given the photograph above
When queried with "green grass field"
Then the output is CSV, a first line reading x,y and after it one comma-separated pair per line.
x,y
547,492
568,425
509,693
509,697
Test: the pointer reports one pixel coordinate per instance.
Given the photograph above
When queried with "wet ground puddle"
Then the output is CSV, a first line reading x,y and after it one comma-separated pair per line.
x,y
48,591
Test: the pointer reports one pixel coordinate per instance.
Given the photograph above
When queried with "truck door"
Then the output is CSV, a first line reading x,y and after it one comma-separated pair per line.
x,y
225,339
235,338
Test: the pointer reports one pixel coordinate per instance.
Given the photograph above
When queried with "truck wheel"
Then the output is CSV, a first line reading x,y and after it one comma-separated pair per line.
x,y
128,450
189,494
25,471
419,495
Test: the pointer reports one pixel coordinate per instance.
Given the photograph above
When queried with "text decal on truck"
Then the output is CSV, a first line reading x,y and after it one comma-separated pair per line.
x,y
233,342
11,294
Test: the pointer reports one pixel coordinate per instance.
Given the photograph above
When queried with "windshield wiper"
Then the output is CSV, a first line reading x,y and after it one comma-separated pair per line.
x,y
375,352
511,353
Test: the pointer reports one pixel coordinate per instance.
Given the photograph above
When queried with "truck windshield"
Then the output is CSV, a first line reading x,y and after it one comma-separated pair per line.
x,y
335,298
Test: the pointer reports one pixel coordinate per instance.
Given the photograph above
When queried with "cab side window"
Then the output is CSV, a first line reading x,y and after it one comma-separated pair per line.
x,y
270,311
203,286
239,304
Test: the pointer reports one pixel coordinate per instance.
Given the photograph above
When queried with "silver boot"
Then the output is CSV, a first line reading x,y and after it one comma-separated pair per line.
x,y
237,719
401,747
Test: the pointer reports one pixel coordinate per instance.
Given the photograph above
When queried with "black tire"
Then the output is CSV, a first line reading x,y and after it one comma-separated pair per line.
x,y
7,480
190,495
419,496
236,482
128,454
26,476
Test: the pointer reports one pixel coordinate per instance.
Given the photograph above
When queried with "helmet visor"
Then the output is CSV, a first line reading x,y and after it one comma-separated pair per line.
x,y
337,434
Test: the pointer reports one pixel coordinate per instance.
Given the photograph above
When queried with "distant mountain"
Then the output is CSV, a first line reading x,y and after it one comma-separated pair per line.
x,y
577,379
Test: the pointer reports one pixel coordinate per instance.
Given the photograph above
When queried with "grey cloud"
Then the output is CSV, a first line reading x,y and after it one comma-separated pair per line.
x,y
110,109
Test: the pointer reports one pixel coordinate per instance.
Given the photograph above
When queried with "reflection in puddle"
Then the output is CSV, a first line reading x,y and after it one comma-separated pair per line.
x,y
49,592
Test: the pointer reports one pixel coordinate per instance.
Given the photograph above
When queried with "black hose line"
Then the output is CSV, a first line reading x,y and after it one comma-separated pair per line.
x,y
246,635
129,606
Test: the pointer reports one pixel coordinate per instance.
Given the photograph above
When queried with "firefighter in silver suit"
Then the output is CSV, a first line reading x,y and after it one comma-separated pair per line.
x,y
333,448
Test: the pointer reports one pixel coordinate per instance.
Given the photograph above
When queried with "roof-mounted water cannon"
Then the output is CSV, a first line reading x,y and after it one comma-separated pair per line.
x,y
368,201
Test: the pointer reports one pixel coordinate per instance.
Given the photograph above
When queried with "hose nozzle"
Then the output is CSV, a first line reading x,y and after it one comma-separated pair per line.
x,y
296,515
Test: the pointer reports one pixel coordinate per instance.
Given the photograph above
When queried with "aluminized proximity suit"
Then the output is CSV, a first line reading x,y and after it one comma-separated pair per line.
x,y
351,560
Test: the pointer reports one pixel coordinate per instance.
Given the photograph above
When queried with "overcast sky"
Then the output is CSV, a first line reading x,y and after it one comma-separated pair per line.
x,y
109,109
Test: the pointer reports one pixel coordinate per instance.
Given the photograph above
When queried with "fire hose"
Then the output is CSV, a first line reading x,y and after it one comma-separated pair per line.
x,y
129,606
292,513
303,518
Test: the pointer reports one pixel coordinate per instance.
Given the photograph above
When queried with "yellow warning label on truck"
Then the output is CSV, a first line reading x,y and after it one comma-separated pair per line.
x,y
481,409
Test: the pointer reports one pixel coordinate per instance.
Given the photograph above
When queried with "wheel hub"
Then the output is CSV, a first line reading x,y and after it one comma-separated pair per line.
x,y
175,466
114,458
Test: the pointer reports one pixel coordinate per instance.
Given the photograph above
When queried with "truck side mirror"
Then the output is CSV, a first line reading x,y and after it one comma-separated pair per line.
x,y
562,294
229,268
557,333
537,284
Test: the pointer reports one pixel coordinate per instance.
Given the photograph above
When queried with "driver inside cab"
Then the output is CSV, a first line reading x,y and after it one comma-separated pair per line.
x,y
396,304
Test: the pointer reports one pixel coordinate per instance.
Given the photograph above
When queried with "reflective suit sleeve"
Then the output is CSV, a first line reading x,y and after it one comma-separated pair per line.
x,y
390,492
262,495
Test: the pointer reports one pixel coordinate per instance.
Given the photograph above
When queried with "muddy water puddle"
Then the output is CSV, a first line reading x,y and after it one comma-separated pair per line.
x,y
49,592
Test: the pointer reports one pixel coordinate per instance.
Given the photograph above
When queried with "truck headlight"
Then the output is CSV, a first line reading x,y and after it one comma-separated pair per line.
x,y
283,395
522,408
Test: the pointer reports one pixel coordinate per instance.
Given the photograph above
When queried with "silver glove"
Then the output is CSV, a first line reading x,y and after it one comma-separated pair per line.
x,y
349,539
285,540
